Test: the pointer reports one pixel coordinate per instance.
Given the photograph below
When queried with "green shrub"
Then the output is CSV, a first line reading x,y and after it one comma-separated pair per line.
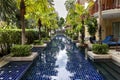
x,y
100,48
20,50
39,42
13,36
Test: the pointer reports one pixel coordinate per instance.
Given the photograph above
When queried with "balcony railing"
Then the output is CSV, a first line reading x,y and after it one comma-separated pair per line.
x,y
106,5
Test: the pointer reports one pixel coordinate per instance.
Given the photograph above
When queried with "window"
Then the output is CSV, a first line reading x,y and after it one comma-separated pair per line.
x,y
116,30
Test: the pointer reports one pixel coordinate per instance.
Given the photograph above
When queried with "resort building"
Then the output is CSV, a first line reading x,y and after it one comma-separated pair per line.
x,y
110,16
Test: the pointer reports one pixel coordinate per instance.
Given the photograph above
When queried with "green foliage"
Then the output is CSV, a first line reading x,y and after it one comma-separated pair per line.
x,y
45,39
76,17
14,36
43,10
38,42
61,22
8,10
8,37
31,35
100,48
21,50
69,4
92,26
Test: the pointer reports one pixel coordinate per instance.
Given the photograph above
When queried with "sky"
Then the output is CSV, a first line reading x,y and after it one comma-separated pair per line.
x,y
60,8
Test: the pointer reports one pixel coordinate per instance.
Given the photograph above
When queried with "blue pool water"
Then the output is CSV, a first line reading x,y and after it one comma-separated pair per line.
x,y
61,60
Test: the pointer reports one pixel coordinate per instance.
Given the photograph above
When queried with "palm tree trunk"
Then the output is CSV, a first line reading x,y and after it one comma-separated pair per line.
x,y
22,11
39,27
83,32
100,21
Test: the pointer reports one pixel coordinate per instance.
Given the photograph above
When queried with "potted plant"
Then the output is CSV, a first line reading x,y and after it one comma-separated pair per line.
x,y
21,53
20,50
92,28
99,51
100,48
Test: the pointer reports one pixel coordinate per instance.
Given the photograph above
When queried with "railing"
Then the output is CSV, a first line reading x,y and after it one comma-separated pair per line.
x,y
106,5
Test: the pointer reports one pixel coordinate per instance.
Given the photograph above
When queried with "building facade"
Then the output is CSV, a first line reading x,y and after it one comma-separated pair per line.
x,y
110,16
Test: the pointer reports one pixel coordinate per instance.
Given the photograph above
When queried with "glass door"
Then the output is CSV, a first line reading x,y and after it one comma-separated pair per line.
x,y
116,30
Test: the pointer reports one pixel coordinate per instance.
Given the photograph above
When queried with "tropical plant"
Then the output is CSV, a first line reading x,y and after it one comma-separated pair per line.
x,y
20,50
51,2
61,22
8,10
77,17
91,23
100,49
42,13
69,4
38,42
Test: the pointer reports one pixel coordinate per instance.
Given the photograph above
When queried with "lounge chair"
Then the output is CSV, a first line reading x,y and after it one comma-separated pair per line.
x,y
113,43
106,40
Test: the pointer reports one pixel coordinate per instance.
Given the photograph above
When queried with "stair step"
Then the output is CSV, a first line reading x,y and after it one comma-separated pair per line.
x,y
114,67
103,71
111,71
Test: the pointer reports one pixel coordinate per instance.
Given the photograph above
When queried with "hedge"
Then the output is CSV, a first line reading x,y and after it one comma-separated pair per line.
x,y
8,37
14,36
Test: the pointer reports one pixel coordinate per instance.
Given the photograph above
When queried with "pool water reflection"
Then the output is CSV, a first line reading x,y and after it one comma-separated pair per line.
x,y
61,60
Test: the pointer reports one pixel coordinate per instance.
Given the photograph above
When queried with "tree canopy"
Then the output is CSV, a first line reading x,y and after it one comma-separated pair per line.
x,y
8,10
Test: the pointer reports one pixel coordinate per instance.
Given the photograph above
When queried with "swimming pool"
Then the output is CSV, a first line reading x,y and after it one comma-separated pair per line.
x,y
61,60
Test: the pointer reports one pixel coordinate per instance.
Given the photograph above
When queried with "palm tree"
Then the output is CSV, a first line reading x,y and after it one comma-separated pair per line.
x,y
22,11
39,27
69,4
51,2
100,20
7,10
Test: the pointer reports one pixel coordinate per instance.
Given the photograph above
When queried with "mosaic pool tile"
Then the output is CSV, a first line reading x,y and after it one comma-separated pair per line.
x,y
61,60
13,70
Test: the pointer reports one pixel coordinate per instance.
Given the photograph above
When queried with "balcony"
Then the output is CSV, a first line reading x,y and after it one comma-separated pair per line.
x,y
110,9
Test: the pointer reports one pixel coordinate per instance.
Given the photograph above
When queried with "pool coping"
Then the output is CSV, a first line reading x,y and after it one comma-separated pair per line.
x,y
30,59
27,58
6,59
99,57
21,75
42,46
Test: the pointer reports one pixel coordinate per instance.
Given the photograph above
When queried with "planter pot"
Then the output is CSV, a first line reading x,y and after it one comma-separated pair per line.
x,y
42,46
98,56
27,58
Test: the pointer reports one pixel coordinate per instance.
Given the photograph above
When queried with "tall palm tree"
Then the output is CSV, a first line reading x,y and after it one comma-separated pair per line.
x,y
100,20
7,10
22,12
51,2
69,4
